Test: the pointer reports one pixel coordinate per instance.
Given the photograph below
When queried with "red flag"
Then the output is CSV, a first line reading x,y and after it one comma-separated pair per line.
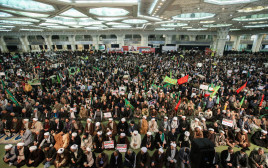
x,y
177,106
238,90
183,80
206,95
37,67
262,100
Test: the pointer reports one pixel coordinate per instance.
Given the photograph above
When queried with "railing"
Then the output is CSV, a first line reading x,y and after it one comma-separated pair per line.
x,y
156,39
84,39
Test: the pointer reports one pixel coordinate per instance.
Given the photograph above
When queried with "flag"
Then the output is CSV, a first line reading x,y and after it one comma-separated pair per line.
x,y
261,100
58,78
12,98
181,56
127,104
206,94
183,80
241,88
242,101
215,91
171,81
117,58
212,54
170,74
37,67
15,57
173,57
154,86
96,68
177,106
3,84
218,100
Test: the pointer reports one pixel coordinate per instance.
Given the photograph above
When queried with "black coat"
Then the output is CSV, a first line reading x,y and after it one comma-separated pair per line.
x,y
79,160
224,155
114,163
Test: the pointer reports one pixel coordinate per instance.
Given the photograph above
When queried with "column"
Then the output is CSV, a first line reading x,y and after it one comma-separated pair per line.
x,y
168,39
72,41
192,37
3,45
214,42
221,40
236,43
144,40
25,43
120,40
257,43
48,42
95,41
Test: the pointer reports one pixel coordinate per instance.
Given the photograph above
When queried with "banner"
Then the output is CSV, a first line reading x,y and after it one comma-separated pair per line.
x,y
127,104
108,144
171,81
107,115
183,80
121,147
227,122
203,87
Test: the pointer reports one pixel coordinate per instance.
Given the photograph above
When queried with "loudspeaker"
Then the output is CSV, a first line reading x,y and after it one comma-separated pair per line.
x,y
202,153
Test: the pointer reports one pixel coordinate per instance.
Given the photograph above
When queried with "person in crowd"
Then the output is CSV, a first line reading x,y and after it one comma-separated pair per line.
x,y
220,139
10,154
49,155
260,138
89,161
62,158
184,157
48,139
22,154
76,156
143,158
184,140
160,140
122,126
86,141
158,158
130,158
172,155
153,127
241,159
102,161
143,125
242,139
135,140
116,160
228,158
36,156
26,136
132,127
111,126
257,158
148,141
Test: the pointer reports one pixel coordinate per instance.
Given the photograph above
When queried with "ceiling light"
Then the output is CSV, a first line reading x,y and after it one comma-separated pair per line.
x,y
252,17
3,14
228,2
217,25
197,29
110,18
135,21
207,21
58,27
29,14
193,16
31,29
28,5
256,26
24,19
164,28
93,28
47,24
73,13
253,9
173,24
234,29
14,22
105,11
257,22
6,26
121,26
186,27
113,23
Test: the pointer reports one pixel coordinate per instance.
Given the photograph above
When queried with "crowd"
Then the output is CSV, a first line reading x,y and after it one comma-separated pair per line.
x,y
86,105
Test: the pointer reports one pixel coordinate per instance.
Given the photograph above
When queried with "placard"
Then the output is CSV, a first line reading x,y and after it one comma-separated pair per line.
x,y
227,122
204,87
199,65
121,147
107,115
108,144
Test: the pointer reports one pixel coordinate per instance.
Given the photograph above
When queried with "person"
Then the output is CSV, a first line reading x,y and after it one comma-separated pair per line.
x,y
89,127
257,159
10,155
220,139
36,156
241,159
75,139
160,140
158,158
90,158
50,155
76,157
228,158
132,127
148,141
26,136
48,139
184,140
260,138
111,126
22,153
86,141
172,136
122,126
143,158
98,142
242,139
211,135
135,140
102,160
172,155
184,157
62,158
143,125
130,159
123,139
153,127
116,160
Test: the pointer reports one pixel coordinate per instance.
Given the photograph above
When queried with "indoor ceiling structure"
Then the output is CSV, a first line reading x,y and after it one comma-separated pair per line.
x,y
146,15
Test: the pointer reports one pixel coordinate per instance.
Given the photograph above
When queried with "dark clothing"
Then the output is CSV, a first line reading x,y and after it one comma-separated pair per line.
x,y
37,156
158,160
116,161
143,159
224,155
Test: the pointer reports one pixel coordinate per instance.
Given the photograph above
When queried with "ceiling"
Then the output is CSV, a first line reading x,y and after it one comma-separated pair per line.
x,y
150,15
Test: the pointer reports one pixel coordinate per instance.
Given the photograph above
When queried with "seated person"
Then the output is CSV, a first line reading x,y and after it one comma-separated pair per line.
x,y
36,156
242,139
135,140
220,139
228,158
62,158
10,155
260,138
257,159
241,158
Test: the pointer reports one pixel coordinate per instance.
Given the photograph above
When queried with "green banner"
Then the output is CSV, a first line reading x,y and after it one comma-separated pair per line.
x,y
171,81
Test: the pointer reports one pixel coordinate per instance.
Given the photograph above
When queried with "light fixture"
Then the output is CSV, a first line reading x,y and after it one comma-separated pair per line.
x,y
255,17
228,2
164,28
174,24
28,5
73,13
256,26
24,19
121,26
207,21
106,11
234,29
58,27
193,16
135,21
94,28
217,25
197,29
29,14
14,22
110,18
253,9
31,29
3,14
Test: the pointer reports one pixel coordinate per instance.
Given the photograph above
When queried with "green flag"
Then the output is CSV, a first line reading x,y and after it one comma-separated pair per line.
x,y
12,98
171,81
58,78
170,74
127,104
154,86
242,101
215,91
3,84
117,58
212,54
218,100
173,57
96,68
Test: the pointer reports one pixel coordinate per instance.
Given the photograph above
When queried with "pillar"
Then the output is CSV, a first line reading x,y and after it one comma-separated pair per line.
x,y
257,43
95,41
192,37
236,43
72,41
25,43
144,40
221,40
48,41
120,40
168,39
3,45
